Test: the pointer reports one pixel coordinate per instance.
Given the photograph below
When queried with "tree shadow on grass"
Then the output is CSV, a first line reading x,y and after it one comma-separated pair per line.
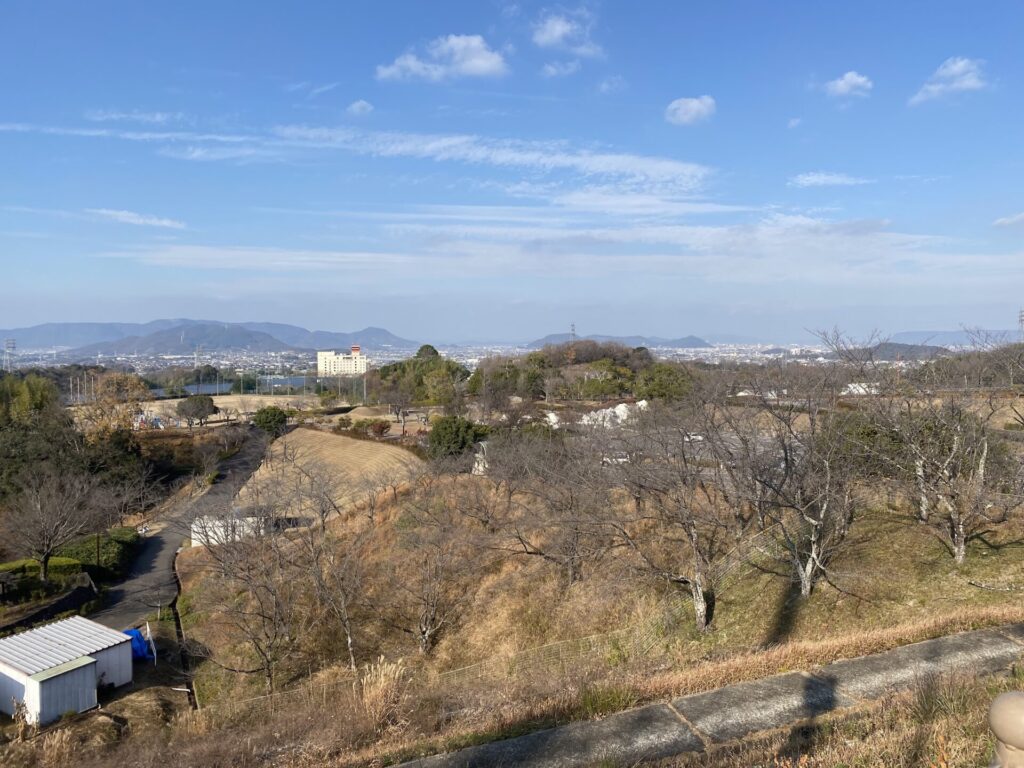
x,y
787,609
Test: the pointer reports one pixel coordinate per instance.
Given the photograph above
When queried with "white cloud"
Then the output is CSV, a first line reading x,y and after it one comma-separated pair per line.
x,y
612,84
956,74
561,68
567,31
850,84
138,219
133,116
688,111
635,171
312,90
631,172
447,57
827,179
1010,221
359,108
794,122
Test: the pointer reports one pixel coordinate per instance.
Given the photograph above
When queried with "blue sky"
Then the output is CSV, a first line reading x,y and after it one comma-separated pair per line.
x,y
499,170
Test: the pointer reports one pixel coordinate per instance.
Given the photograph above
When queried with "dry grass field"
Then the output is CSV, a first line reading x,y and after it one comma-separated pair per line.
x,y
241,405
349,462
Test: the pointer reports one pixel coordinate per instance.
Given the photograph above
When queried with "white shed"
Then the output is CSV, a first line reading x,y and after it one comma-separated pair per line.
x,y
58,667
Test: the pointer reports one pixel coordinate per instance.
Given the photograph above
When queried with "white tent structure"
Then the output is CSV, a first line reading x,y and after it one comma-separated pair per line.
x,y
57,668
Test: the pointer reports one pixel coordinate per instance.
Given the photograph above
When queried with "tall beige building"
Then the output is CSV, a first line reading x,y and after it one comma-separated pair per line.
x,y
333,364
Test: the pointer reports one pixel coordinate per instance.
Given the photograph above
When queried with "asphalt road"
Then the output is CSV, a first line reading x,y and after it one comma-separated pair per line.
x,y
151,583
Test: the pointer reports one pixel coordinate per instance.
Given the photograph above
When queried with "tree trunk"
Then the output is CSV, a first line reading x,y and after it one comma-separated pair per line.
x,y
351,647
922,504
703,605
44,568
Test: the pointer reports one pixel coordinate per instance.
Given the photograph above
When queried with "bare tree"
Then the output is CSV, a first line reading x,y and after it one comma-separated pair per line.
x,y
939,443
52,507
254,594
677,521
784,452
431,583
558,517
130,491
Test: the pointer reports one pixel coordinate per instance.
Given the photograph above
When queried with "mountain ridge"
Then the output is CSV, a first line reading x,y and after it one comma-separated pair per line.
x,y
685,342
88,338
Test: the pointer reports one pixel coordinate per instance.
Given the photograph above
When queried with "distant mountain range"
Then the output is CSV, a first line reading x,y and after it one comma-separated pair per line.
x,y
890,351
687,342
182,336
959,338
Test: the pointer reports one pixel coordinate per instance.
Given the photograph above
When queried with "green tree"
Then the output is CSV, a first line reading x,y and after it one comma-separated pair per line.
x,y
453,436
427,351
196,408
663,381
271,420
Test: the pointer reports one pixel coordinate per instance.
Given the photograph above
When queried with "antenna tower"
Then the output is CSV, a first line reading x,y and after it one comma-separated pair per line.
x,y
572,332
1020,325
9,346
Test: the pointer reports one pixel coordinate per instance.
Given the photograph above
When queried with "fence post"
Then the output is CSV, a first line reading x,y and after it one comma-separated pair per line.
x,y
1006,719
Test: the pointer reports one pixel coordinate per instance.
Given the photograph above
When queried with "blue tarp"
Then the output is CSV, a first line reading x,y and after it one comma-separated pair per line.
x,y
140,647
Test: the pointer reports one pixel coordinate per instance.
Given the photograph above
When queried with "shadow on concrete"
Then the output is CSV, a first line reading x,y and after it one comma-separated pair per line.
x,y
819,699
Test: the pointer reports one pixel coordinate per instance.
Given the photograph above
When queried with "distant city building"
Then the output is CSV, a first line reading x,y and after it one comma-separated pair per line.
x,y
333,364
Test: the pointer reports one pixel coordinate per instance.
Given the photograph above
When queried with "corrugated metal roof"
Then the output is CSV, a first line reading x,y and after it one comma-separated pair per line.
x,y
60,669
54,644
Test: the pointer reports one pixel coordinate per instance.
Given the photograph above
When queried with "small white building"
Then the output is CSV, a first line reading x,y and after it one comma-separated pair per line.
x,y
240,523
333,364
57,668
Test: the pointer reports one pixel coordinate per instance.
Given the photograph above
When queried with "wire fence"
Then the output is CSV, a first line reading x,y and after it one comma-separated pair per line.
x,y
552,661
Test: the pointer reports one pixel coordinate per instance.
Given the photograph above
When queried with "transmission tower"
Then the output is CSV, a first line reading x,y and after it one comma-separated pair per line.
x,y
572,331
1020,325
9,346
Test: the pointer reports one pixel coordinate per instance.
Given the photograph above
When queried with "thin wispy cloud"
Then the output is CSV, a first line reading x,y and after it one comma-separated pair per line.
x,y
794,122
136,219
359,108
643,170
850,84
612,84
232,257
95,214
567,31
133,116
449,57
687,111
956,74
311,90
633,171
827,179
561,68
1010,221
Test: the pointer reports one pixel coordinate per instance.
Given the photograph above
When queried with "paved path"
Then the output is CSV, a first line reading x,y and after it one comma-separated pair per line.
x,y
151,582
693,723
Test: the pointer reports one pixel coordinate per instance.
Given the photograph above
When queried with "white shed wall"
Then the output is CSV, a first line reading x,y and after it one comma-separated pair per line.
x,y
114,664
74,691
12,685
